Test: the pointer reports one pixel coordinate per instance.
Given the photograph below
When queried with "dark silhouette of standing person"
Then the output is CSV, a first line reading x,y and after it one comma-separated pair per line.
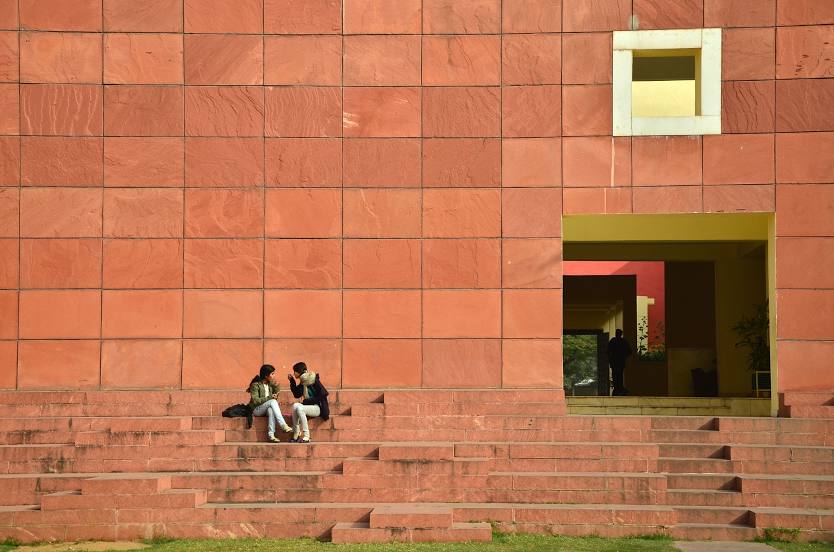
x,y
618,351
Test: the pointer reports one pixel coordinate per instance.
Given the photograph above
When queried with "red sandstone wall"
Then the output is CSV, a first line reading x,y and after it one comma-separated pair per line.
x,y
205,186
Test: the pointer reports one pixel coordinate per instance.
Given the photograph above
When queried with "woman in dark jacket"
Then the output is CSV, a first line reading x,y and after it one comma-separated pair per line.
x,y
313,403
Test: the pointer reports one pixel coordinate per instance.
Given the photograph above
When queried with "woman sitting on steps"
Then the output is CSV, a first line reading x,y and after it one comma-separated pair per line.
x,y
313,403
264,401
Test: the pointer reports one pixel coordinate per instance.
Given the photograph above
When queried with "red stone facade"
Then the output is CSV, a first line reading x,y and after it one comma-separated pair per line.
x,y
191,187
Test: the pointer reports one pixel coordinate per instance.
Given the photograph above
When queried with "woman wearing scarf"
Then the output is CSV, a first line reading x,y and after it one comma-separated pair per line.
x,y
263,390
313,403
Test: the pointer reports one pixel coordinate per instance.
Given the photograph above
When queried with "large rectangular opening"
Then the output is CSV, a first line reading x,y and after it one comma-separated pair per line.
x,y
693,295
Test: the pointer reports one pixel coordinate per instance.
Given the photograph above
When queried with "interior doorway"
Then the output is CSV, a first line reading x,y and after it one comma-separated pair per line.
x,y
586,363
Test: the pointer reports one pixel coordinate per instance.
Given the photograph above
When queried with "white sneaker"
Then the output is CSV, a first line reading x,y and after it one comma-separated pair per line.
x,y
272,439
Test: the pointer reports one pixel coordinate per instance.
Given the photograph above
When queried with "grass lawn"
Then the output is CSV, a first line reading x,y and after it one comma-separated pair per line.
x,y
502,543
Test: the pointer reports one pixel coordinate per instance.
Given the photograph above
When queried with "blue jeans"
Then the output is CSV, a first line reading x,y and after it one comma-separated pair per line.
x,y
271,410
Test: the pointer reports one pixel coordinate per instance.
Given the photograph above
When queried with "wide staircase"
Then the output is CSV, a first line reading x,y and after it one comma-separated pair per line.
x,y
400,465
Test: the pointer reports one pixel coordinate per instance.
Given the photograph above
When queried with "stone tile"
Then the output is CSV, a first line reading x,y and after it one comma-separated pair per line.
x,y
586,58
60,212
381,112
532,363
79,367
306,264
151,16
804,263
531,212
739,13
803,363
532,59
8,14
532,263
9,210
462,213
748,54
377,162
143,213
382,16
363,357
461,263
453,17
60,15
665,14
58,161
224,214
303,112
461,313
224,59
144,162
804,210
666,161
143,58
747,106
461,60
221,314
224,111
9,57
461,112
8,324
532,16
595,15
461,162
382,213
10,116
49,263
142,313
531,162
798,160
60,57
531,112
9,161
587,161
382,313
744,198
311,17
309,60
376,60
805,52
803,105
459,363
304,162
793,321
532,313
313,213
804,12
381,264
224,264
739,159
303,313
668,199
143,111
324,356
224,16
232,361
9,263
57,109
138,264
141,363
60,314
587,110
226,162
597,200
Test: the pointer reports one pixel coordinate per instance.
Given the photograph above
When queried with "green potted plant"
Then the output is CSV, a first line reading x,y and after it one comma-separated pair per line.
x,y
753,333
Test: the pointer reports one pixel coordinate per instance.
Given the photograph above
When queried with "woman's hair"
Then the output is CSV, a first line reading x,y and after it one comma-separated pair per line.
x,y
266,369
299,367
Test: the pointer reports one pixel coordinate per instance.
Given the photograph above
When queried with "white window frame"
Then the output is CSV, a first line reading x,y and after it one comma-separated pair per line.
x,y
708,41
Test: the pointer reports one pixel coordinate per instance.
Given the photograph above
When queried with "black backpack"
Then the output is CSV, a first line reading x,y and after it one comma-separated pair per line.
x,y
239,411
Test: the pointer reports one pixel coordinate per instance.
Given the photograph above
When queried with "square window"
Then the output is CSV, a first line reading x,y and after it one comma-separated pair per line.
x,y
667,82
